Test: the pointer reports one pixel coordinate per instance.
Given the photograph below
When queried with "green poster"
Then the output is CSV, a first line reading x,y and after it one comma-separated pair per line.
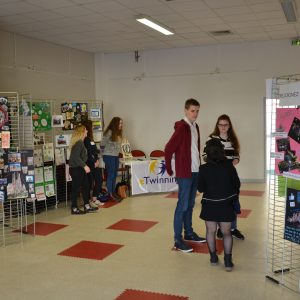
x,y
41,116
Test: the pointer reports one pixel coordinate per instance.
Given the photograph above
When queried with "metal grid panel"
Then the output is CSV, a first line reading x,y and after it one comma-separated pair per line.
x,y
283,257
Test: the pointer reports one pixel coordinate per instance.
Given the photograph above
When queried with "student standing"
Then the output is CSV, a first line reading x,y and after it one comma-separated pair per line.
x,y
79,171
220,184
95,175
185,145
111,145
225,133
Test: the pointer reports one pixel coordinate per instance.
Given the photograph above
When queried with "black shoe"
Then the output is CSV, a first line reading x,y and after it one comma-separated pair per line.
x,y
182,246
76,211
195,238
90,209
219,234
237,234
214,260
228,262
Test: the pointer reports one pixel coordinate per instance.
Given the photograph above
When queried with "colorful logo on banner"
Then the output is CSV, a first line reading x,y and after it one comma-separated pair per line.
x,y
157,170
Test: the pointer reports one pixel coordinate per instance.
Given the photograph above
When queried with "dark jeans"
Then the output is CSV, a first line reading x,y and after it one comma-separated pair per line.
x,y
79,180
187,189
111,166
95,181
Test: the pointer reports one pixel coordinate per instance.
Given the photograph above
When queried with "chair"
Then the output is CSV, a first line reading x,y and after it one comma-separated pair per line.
x,y
157,154
138,154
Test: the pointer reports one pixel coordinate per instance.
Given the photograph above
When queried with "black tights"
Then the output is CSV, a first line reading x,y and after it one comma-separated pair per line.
x,y
211,228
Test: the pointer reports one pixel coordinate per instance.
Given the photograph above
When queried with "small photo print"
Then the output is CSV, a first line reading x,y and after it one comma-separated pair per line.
x,y
62,140
31,188
283,144
294,131
38,138
57,121
30,160
29,178
292,204
24,169
95,113
15,167
14,157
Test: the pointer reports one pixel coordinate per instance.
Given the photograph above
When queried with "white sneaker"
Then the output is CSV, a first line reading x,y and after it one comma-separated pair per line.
x,y
97,202
93,204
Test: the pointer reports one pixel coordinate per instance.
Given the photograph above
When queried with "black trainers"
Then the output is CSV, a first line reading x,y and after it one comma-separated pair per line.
x,y
195,238
182,246
219,234
214,260
76,211
90,209
237,234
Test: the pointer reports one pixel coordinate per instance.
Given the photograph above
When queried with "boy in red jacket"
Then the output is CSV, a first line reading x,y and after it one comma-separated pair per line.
x,y
185,144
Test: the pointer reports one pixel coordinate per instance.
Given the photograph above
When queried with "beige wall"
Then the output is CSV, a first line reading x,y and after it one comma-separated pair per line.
x,y
45,70
230,78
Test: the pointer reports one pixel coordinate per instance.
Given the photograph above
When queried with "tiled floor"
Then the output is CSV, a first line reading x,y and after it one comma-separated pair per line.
x,y
135,260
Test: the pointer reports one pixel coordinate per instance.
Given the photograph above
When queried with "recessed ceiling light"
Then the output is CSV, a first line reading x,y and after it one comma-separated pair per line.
x,y
148,21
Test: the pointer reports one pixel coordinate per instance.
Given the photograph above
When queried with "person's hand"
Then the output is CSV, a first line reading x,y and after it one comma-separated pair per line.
x,y
87,169
97,163
235,161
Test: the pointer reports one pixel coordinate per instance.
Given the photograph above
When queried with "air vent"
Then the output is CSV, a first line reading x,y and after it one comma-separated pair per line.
x,y
221,32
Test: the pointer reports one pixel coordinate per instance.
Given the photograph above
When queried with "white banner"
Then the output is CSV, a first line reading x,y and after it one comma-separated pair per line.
x,y
150,176
289,94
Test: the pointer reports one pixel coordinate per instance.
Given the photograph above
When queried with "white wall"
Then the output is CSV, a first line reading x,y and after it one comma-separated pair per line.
x,y
45,70
149,95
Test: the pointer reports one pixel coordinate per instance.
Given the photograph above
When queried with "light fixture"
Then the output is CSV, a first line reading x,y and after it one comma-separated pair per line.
x,y
148,21
288,7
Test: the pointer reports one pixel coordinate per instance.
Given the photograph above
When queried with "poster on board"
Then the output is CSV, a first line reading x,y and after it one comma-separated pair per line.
x,y
287,137
292,216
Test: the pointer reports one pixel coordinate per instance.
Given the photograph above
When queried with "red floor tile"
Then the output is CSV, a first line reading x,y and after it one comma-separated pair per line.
x,y
202,247
252,193
244,213
132,225
129,294
108,204
91,250
43,228
172,195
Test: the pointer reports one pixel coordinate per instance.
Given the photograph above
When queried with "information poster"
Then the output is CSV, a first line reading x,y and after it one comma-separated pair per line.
x,y
287,135
73,113
292,216
20,175
41,116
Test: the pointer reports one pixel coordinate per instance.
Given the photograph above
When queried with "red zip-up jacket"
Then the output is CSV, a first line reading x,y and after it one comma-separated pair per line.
x,y
180,144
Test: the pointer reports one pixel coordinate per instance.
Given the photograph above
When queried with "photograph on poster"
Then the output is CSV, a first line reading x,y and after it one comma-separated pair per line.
x,y
31,187
287,137
57,121
5,139
292,216
15,167
62,140
95,113
29,178
14,157
38,138
25,169
74,113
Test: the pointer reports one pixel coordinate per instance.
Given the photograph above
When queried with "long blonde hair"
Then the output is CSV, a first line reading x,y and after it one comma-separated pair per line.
x,y
78,134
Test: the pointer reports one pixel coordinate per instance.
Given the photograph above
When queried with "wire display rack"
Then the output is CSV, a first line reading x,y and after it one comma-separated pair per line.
x,y
283,256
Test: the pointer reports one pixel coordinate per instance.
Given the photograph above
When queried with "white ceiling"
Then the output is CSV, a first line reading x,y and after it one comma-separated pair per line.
x,y
110,26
